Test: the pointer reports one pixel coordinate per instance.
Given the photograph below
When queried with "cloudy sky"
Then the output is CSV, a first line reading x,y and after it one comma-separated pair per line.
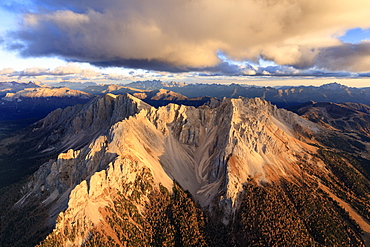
x,y
260,42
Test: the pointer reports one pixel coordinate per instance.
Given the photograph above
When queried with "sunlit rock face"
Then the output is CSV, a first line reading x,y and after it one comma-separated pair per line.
x,y
77,126
211,151
126,160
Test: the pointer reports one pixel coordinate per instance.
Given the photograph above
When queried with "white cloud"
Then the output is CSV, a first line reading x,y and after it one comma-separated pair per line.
x,y
66,70
35,71
7,71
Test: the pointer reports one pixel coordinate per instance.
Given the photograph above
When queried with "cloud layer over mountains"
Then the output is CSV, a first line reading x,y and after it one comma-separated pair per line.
x,y
185,35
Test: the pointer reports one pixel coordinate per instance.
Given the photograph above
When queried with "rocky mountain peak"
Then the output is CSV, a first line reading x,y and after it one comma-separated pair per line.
x,y
333,86
211,152
126,166
160,94
76,126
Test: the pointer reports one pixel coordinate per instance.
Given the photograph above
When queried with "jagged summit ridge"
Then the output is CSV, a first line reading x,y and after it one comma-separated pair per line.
x,y
211,151
76,126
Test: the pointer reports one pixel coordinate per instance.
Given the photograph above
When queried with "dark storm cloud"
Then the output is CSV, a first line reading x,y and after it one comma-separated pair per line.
x,y
277,71
353,57
141,64
182,36
364,75
281,70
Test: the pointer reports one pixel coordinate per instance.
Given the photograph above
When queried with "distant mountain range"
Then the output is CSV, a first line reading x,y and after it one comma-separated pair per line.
x,y
45,92
282,97
12,87
155,84
34,101
73,85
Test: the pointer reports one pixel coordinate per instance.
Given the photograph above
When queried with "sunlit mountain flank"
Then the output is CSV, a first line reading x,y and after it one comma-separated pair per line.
x,y
184,123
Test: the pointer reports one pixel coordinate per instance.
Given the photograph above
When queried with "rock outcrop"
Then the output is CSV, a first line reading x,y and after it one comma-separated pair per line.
x,y
76,126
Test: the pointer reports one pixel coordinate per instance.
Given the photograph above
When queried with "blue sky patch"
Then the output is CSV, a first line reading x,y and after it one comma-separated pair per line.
x,y
355,36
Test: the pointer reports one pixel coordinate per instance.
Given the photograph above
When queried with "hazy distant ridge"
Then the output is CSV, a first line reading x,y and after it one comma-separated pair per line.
x,y
281,96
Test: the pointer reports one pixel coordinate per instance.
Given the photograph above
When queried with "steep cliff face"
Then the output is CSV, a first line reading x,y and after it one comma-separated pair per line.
x,y
76,126
209,151
136,151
